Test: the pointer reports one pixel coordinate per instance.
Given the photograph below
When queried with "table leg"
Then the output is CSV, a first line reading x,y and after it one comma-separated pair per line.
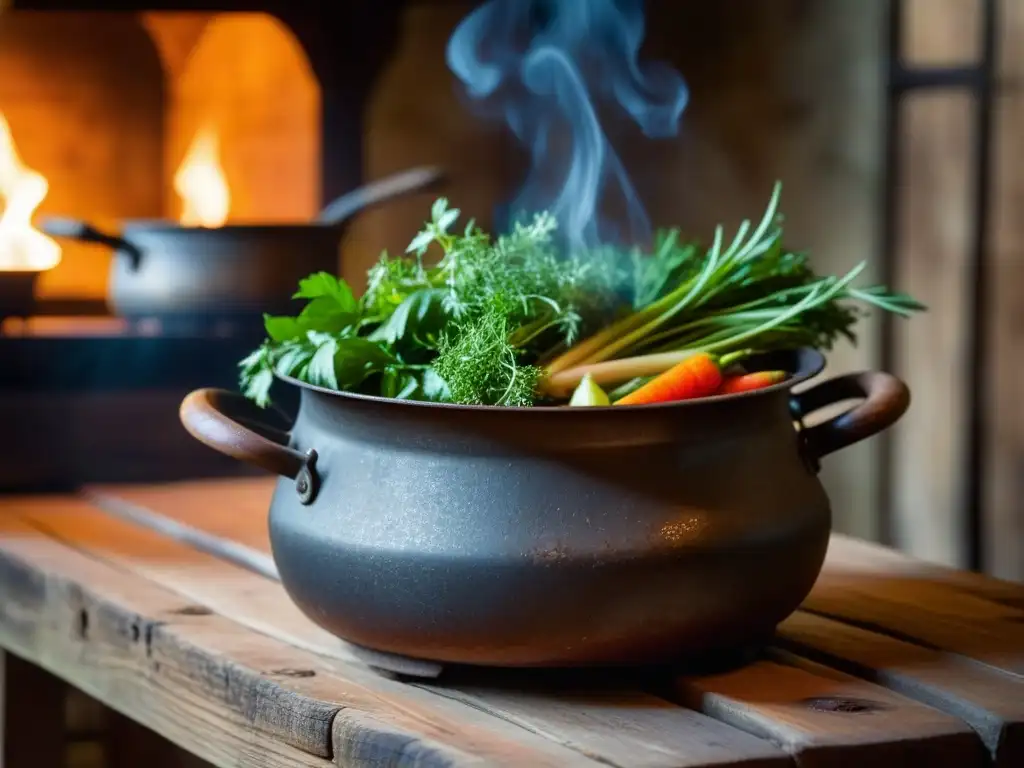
x,y
130,745
32,723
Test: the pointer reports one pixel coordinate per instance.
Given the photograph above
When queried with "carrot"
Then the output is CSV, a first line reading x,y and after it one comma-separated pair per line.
x,y
748,382
696,376
612,372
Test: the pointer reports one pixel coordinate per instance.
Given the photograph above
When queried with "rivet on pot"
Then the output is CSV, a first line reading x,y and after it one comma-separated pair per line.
x,y
306,484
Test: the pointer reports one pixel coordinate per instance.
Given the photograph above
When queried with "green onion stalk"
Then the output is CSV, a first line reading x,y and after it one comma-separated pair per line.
x,y
712,311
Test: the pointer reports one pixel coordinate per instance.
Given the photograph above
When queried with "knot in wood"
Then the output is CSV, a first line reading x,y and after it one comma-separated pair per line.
x,y
293,672
843,705
193,610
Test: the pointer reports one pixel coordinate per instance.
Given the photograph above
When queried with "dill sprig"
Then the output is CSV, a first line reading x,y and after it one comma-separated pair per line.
x,y
509,300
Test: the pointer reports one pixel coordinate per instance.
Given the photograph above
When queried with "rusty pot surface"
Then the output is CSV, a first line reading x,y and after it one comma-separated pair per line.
x,y
551,536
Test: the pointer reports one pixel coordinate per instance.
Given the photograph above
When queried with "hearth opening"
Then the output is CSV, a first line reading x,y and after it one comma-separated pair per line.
x,y
199,118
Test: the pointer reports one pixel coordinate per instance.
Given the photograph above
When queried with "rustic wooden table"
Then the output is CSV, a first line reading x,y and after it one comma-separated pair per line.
x,y
890,661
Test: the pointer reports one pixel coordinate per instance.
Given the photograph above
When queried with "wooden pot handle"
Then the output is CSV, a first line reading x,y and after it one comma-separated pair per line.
x,y
232,424
885,399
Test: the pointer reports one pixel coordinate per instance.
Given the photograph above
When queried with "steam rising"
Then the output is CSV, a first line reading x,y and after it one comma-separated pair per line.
x,y
546,66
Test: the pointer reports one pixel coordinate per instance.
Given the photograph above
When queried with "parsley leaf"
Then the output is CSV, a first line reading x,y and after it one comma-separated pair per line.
x,y
337,362
411,384
419,320
327,286
331,309
257,375
282,328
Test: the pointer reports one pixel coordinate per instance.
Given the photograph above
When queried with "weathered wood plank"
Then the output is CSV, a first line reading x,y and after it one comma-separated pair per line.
x,y
32,723
234,508
619,727
826,718
256,559
362,739
990,702
978,638
125,645
931,595
854,558
227,694
624,728
968,614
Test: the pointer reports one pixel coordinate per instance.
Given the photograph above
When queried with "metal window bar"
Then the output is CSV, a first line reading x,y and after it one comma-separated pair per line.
x,y
979,79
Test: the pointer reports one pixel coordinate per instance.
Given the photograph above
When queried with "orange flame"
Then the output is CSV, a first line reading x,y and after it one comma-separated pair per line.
x,y
22,246
201,184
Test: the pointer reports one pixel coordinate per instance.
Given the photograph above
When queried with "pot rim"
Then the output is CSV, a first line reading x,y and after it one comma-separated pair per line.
x,y
162,226
810,363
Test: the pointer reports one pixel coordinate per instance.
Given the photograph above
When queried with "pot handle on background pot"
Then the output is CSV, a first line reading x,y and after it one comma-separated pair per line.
x,y
885,399
231,423
380,191
83,231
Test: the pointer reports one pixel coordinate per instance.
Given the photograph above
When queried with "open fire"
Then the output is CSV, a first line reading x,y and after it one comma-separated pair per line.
x,y
201,183
23,248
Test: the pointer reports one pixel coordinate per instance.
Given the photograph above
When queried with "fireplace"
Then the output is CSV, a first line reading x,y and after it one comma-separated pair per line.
x,y
106,108
292,110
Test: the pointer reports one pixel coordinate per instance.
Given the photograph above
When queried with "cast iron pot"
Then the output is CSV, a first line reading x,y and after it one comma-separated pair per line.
x,y
551,536
185,273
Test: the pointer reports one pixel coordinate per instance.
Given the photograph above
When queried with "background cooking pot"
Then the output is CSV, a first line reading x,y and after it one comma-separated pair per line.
x,y
551,536
170,271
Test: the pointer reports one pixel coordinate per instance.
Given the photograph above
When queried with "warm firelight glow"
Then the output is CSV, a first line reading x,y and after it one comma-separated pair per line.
x,y
22,247
201,184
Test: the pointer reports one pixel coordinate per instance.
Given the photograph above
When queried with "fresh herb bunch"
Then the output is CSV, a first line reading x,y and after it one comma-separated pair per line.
x,y
513,321
469,329
509,301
